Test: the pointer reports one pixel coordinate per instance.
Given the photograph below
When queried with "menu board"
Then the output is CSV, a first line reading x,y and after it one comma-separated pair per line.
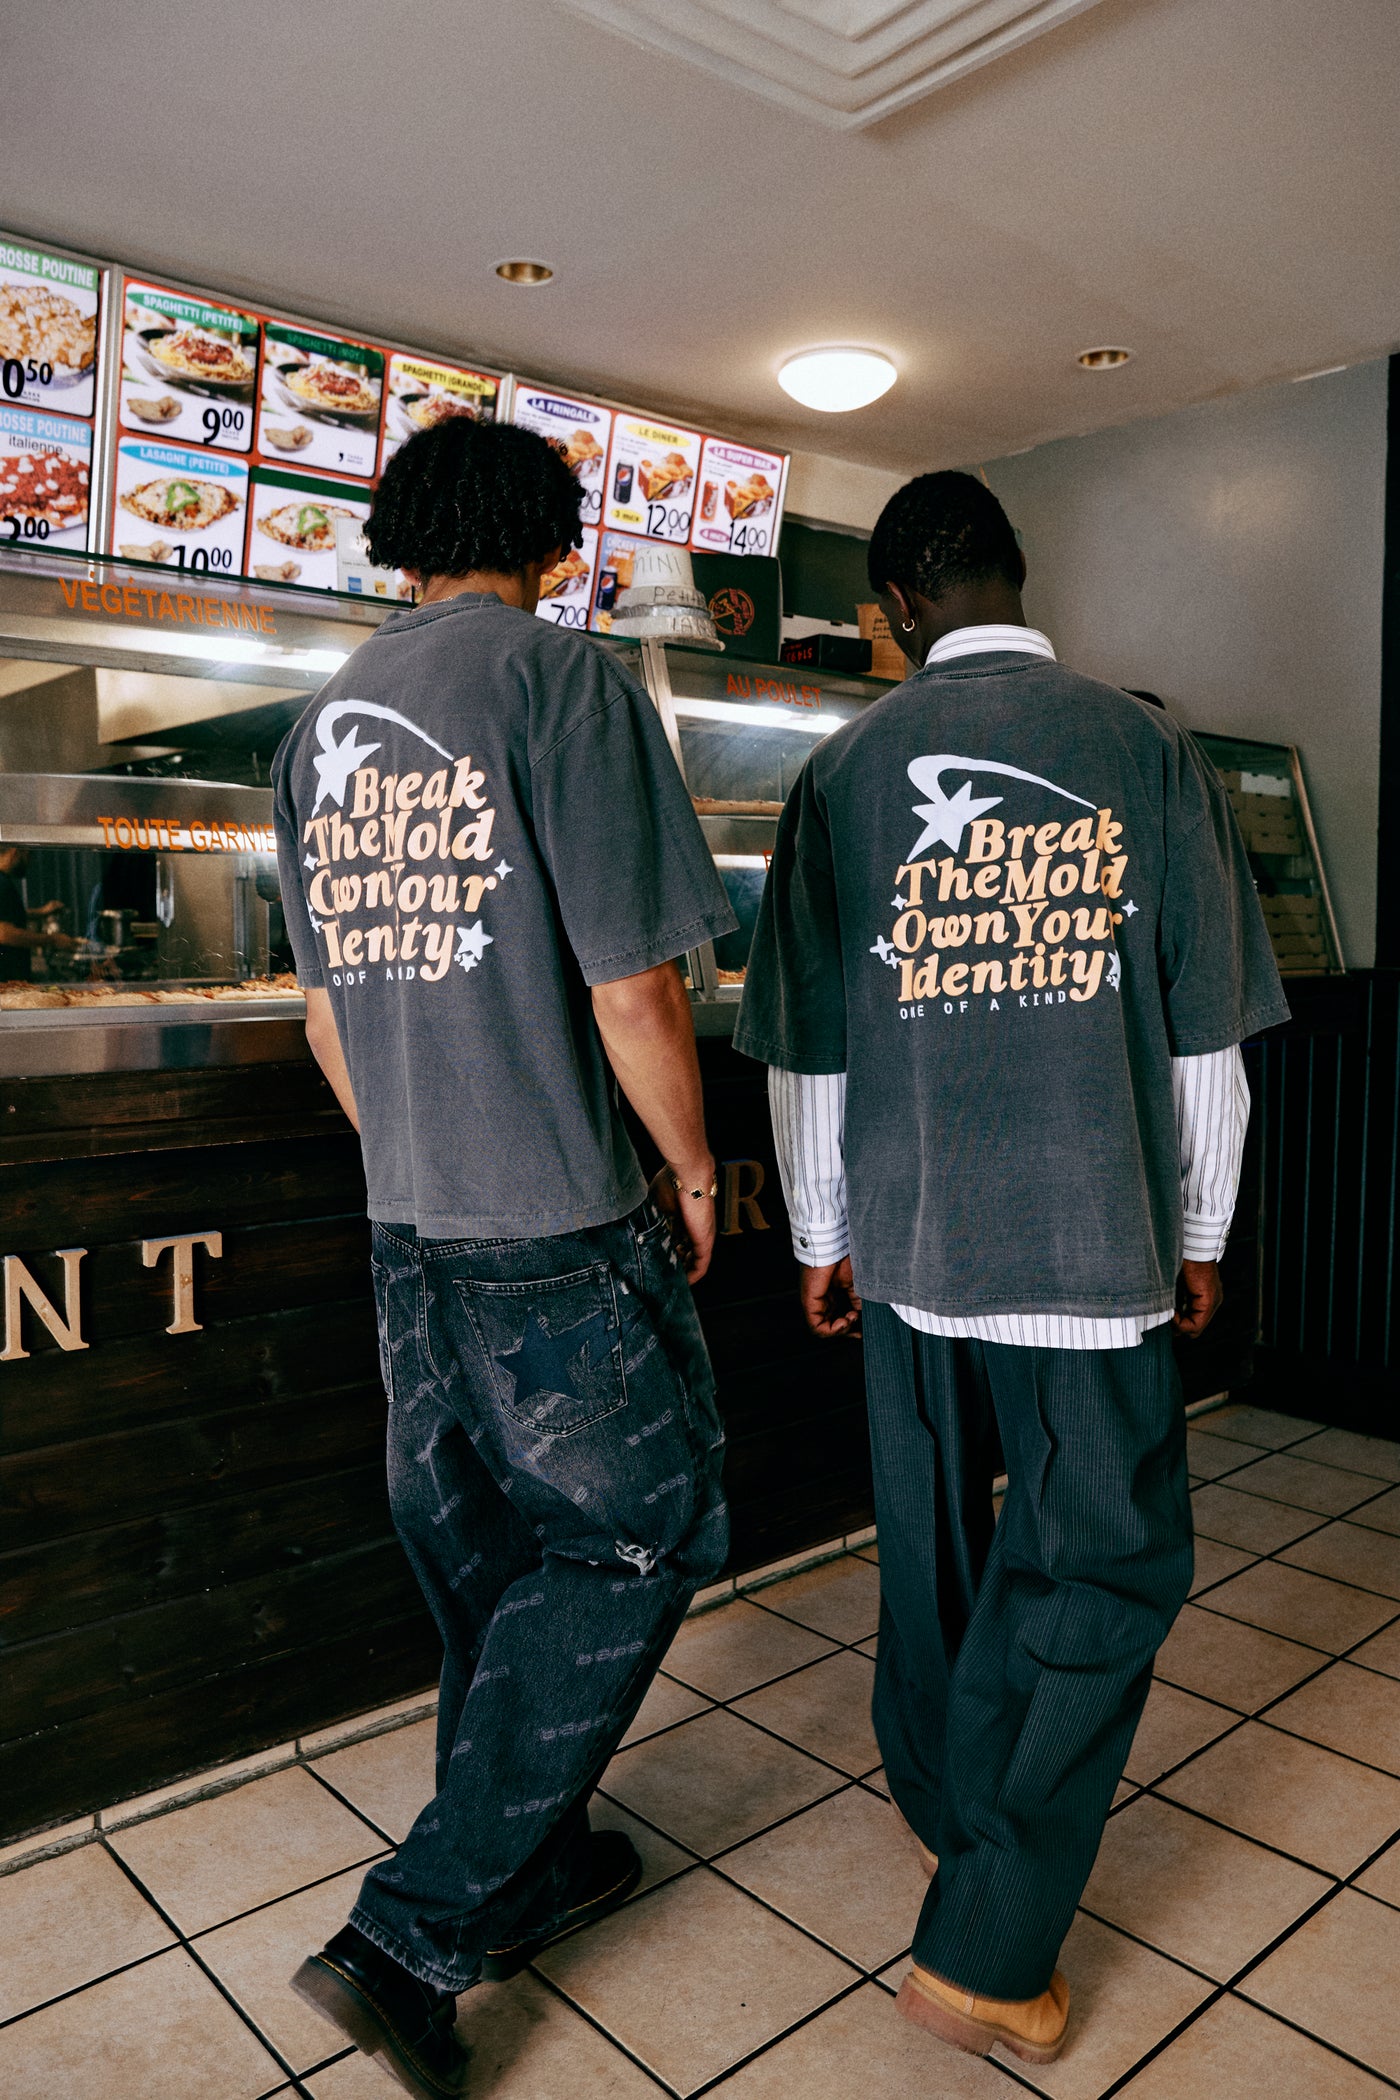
x,y
579,429
567,588
189,369
651,479
737,511
48,329
422,393
617,557
291,529
45,478
181,505
320,400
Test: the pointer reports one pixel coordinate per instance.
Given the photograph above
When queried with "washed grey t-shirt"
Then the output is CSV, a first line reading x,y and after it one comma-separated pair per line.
x,y
1002,900
478,818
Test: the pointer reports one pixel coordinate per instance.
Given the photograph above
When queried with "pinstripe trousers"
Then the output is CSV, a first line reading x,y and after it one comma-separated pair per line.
x,y
1014,1661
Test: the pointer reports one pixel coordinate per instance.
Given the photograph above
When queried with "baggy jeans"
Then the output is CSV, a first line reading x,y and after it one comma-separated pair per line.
x,y
1014,1663
554,1462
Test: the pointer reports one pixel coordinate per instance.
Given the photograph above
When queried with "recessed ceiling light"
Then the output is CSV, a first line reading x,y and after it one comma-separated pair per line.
x,y
522,272
835,380
1106,358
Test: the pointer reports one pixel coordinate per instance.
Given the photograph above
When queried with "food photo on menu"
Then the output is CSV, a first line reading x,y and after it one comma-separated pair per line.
x,y
617,562
45,476
422,393
292,526
320,400
736,512
180,506
189,369
565,589
650,486
580,432
48,330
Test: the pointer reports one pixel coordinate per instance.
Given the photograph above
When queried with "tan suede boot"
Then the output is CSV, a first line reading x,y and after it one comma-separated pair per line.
x,y
1031,2028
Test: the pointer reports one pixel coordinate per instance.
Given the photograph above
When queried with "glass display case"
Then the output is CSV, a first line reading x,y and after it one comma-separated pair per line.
x,y
1270,800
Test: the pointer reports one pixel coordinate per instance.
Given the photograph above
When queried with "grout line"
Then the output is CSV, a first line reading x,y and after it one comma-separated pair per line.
x,y
120,1969
304,1888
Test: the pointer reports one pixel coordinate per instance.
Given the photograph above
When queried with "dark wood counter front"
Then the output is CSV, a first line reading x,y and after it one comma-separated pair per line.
x,y
196,1556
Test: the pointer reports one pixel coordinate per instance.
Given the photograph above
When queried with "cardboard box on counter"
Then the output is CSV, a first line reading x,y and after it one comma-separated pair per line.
x,y
887,658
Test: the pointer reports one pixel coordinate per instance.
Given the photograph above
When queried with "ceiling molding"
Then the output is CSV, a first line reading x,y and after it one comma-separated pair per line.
x,y
848,63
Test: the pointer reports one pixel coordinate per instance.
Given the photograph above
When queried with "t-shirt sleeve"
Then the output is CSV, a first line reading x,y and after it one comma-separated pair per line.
x,y
289,877
620,837
1220,982
794,1006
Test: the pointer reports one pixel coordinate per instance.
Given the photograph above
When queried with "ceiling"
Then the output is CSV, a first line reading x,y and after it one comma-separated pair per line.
x,y
1214,183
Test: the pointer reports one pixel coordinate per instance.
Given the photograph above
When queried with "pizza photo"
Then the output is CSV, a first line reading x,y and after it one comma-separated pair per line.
x,y
180,502
309,526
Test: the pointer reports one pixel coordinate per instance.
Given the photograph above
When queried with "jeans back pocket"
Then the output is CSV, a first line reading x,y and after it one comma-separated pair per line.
x,y
552,1348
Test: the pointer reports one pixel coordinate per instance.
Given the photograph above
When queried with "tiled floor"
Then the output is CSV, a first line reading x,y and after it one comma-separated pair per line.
x,y
1240,1935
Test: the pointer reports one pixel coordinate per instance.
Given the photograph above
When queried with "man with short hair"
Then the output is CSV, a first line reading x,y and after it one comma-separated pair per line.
x,y
1007,952
490,864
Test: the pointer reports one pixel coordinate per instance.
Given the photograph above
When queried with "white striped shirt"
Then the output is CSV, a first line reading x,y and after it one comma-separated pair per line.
x,y
1211,1098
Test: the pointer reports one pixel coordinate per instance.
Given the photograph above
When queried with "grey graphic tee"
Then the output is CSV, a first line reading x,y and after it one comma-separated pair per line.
x,y
478,818
1002,901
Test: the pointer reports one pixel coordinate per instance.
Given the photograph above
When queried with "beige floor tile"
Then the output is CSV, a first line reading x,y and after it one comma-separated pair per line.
x,y
878,1781
160,2031
1381,1515
1293,1795
840,1599
694,1976
660,1858
666,1703
1302,1607
216,1858
1382,1653
739,1647
216,1779
67,1920
59,1837
862,2049
1123,1999
1347,1709
1209,1456
1249,1521
1216,1563
1124,1791
845,1870
825,1709
871,1553
1202,1895
1350,1553
1234,1664
378,1721
1329,1490
255,1956
1339,1976
1236,2052
1174,1726
715,1781
1383,1879
1259,1425
1377,1455
389,1778
870,1647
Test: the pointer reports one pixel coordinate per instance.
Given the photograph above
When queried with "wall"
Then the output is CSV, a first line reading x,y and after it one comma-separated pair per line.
x,y
1230,558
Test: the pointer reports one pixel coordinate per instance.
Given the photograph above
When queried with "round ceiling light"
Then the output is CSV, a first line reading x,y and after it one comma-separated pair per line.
x,y
523,272
837,379
1107,357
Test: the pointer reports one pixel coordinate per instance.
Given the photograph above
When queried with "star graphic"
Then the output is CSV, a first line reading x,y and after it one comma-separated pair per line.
x,y
545,1366
309,860
315,922
947,817
1115,972
887,954
472,944
1129,908
898,903
336,763
504,868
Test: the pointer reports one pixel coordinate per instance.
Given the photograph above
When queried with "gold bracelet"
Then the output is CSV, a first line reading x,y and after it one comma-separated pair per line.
x,y
712,1191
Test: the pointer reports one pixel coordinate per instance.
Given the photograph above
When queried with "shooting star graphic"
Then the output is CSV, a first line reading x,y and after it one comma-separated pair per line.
x,y
946,816
339,760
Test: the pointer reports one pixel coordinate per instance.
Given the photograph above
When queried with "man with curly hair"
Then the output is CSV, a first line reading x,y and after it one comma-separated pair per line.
x,y
489,865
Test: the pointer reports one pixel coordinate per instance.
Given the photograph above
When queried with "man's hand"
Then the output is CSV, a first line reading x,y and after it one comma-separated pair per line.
x,y
1198,1296
829,1302
692,1218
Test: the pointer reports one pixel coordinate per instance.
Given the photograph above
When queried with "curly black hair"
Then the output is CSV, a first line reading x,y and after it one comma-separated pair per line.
x,y
941,530
466,495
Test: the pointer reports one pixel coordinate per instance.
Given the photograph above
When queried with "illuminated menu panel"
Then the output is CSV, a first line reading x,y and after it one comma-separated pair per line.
x,y
189,368
423,392
48,329
321,399
650,487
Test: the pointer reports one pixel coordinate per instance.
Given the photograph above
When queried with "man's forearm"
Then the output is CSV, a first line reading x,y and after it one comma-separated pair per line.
x,y
649,1036
324,1039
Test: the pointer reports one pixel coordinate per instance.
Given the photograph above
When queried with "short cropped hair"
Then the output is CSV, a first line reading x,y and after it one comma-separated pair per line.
x,y
465,495
939,531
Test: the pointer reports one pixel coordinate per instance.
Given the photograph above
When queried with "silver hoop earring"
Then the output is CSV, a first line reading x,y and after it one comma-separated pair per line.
x,y
907,626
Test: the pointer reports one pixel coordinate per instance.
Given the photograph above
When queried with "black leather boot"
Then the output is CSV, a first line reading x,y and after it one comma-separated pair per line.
x,y
387,2013
614,1868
